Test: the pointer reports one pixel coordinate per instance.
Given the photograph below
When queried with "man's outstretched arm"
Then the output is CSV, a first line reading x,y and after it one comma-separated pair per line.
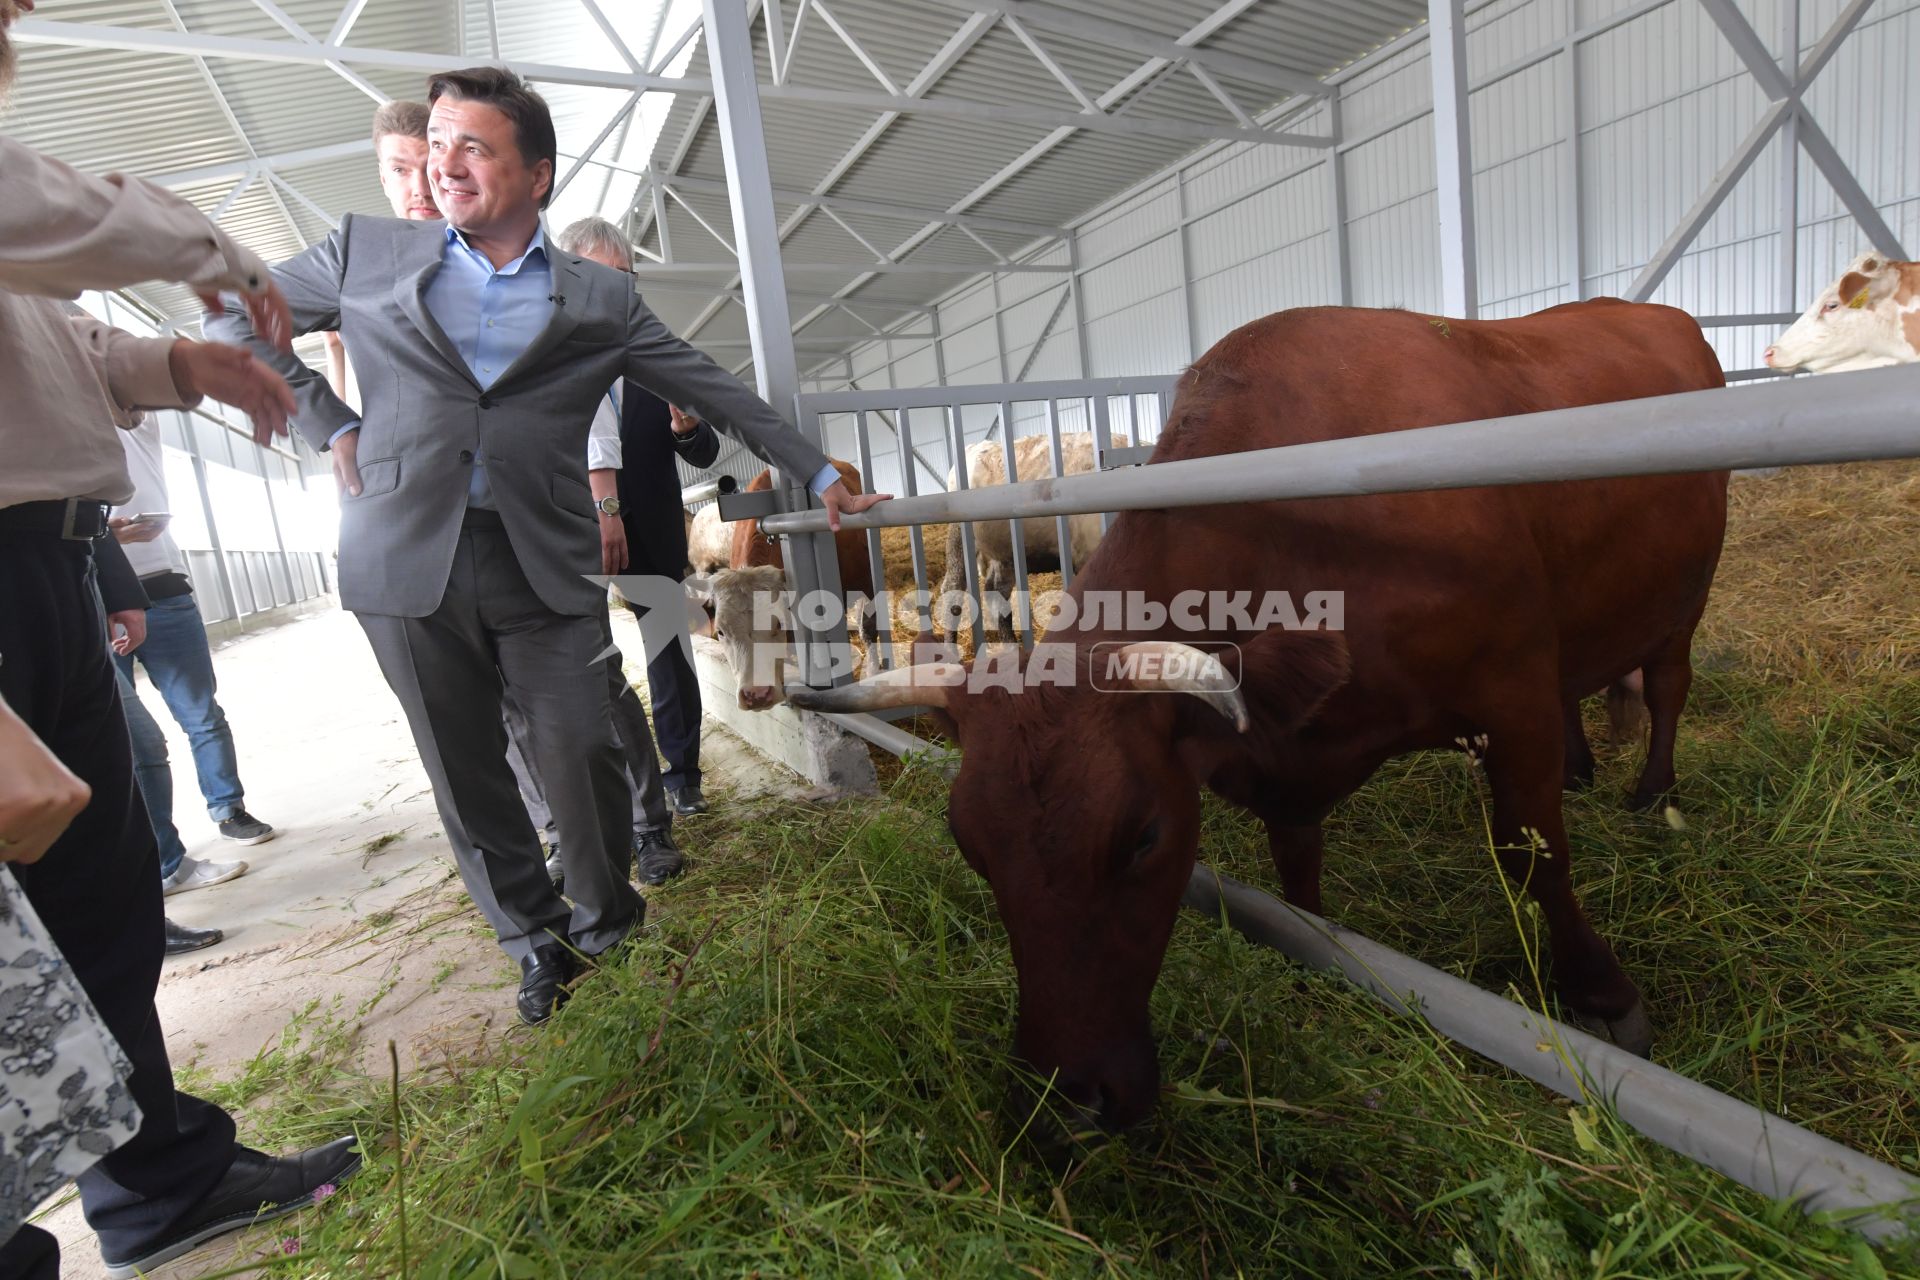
x,y
311,283
682,374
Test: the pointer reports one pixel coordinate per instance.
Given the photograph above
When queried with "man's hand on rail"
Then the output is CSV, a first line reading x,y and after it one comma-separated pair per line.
x,y
838,500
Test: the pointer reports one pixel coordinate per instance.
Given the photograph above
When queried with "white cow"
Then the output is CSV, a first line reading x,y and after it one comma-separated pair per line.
x,y
993,539
1867,319
709,542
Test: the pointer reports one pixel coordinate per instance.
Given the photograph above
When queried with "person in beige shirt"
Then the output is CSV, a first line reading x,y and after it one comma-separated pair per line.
x,y
69,383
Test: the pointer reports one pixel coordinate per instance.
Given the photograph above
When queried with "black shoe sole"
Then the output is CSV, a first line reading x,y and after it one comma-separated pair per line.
x,y
166,1253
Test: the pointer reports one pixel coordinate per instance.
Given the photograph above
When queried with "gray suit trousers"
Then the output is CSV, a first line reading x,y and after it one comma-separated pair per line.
x,y
636,748
492,637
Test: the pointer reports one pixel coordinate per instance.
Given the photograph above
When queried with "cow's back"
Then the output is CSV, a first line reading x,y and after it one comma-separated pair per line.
x,y
1443,589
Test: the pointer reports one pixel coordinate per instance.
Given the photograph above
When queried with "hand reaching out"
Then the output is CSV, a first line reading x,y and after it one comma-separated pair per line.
x,y
231,376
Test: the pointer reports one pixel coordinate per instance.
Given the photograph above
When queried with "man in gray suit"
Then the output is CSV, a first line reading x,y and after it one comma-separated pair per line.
x,y
468,526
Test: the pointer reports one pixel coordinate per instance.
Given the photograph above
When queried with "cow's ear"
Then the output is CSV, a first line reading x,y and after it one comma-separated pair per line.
x,y
1286,675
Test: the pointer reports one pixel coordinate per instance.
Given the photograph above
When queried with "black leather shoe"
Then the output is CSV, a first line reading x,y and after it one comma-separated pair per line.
x,y
258,1188
555,872
656,858
543,982
181,939
687,800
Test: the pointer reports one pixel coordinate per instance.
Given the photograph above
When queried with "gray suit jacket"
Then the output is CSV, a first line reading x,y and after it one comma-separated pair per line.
x,y
424,416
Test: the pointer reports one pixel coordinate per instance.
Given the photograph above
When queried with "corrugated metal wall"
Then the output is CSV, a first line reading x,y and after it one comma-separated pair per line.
x,y
1661,103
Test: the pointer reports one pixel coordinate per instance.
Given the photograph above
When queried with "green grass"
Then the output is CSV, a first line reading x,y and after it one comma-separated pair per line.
x,y
801,1071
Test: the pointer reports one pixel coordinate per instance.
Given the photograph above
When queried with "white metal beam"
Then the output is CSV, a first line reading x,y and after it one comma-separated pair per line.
x,y
156,40
301,34
1118,93
1453,157
1115,34
349,15
1786,106
943,61
625,112
1128,126
258,164
880,208
874,69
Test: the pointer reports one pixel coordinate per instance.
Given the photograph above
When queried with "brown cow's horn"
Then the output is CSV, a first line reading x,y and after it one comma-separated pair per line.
x,y
923,685
1204,677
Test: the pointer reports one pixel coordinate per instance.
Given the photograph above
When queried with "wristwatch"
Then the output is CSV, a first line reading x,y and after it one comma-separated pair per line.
x,y
608,506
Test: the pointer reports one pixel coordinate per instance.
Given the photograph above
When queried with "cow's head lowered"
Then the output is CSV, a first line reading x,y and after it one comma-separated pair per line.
x,y
1081,808
751,618
1867,319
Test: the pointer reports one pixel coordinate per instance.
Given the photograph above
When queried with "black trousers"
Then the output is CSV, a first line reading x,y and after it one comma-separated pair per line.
x,y
98,892
676,713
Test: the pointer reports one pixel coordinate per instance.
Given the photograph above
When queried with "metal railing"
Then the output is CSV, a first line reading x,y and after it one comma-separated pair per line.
x,y
906,460
1860,416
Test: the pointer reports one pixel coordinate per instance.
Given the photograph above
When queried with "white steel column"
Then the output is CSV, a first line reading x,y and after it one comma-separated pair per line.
x,y
811,563
1337,202
1453,157
1789,162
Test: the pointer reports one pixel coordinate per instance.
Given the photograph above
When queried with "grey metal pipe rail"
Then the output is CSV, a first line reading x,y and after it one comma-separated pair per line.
x,y
1759,1150
706,489
1849,417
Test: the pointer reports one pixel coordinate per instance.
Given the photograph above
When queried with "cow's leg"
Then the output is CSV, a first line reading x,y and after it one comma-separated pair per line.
x,y
1297,853
1667,676
996,593
1578,772
1626,710
1524,768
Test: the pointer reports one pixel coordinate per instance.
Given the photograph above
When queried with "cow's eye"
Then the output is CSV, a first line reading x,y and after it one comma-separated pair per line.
x,y
1144,844
1832,306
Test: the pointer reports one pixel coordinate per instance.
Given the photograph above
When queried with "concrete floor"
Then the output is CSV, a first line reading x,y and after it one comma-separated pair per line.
x,y
352,914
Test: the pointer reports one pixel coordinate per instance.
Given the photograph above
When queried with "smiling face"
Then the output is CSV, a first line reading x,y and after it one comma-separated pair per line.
x,y
481,181
403,176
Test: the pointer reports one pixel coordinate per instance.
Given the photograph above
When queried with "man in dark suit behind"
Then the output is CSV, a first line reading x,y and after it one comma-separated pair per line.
x,y
657,545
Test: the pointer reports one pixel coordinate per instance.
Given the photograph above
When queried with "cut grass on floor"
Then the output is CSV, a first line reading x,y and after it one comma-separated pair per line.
x,y
801,1070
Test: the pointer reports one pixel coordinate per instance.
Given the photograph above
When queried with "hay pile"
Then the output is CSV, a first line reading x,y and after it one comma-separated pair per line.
x,y
1821,574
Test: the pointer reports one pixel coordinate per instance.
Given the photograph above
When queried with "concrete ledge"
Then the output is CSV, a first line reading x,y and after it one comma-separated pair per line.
x,y
812,746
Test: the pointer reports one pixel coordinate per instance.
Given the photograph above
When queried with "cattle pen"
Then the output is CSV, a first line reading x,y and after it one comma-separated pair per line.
x,y
1753,427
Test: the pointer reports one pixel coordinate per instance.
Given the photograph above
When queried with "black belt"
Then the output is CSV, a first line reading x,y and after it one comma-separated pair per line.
x,y
78,519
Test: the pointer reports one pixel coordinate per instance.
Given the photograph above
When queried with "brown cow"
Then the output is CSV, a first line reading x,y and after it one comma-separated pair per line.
x,y
1471,616
730,596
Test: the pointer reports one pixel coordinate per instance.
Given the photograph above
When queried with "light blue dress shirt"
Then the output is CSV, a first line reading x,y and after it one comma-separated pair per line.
x,y
491,316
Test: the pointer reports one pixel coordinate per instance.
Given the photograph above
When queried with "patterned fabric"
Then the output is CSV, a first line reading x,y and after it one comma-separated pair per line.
x,y
63,1091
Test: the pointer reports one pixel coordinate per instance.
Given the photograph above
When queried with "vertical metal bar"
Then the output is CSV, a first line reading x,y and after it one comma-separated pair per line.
x,y
1452,156
1337,206
1079,305
1186,265
999,328
812,562
1022,615
1063,525
876,556
969,558
1573,218
1102,442
903,434
1790,164
229,598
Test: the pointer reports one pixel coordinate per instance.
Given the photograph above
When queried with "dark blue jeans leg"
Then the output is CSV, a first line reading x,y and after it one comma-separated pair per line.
x,y
179,661
151,770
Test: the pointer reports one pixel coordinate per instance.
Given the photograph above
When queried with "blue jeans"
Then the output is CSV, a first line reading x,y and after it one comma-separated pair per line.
x,y
179,661
153,774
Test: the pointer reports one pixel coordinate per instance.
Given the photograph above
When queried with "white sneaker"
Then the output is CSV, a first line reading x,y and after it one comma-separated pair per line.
x,y
193,873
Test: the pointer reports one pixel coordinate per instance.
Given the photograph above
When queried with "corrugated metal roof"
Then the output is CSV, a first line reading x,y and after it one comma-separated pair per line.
x,y
157,114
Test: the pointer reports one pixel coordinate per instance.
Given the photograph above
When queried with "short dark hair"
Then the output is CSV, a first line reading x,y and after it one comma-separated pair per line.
x,y
407,119
508,94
